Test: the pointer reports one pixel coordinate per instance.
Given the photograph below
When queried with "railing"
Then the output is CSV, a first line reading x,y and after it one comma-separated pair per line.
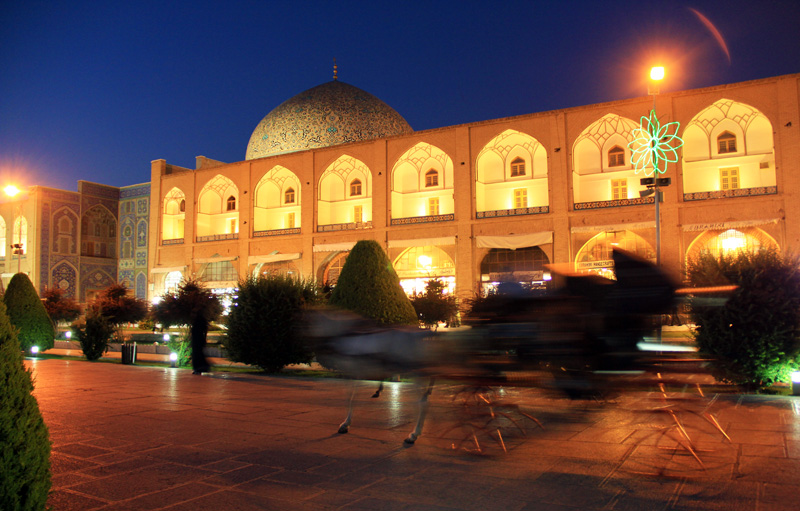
x,y
726,194
276,232
423,219
344,227
218,237
174,241
538,210
615,203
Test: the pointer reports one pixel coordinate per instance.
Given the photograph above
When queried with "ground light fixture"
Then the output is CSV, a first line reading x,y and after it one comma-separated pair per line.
x,y
166,337
34,350
68,334
796,383
173,359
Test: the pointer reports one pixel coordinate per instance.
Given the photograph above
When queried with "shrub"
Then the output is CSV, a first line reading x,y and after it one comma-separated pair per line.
x,y
27,313
24,439
118,306
369,286
60,308
753,337
94,335
262,326
434,306
182,345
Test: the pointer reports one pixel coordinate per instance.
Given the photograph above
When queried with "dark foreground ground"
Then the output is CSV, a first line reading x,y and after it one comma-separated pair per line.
x,y
127,437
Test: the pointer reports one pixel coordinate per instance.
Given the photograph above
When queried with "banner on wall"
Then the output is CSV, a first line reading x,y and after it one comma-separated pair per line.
x,y
515,241
719,226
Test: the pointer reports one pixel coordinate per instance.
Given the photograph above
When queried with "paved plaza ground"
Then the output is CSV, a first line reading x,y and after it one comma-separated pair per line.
x,y
136,438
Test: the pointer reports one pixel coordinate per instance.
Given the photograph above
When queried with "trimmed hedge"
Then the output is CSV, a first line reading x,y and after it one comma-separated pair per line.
x,y
754,336
24,439
369,286
263,323
94,335
26,312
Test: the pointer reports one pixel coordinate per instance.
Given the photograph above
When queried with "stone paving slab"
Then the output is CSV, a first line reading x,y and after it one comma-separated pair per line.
x,y
142,438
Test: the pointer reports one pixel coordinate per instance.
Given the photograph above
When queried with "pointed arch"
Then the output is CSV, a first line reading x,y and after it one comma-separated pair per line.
x,y
601,163
728,137
336,205
272,209
173,219
65,230
421,175
509,163
214,218
98,232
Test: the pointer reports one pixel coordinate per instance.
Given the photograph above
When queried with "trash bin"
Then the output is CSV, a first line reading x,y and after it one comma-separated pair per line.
x,y
128,353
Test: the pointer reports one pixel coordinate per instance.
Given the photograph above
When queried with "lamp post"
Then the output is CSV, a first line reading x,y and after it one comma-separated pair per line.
x,y
652,148
12,191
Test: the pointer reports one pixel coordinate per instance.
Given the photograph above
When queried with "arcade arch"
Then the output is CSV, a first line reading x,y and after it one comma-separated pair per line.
x,y
422,183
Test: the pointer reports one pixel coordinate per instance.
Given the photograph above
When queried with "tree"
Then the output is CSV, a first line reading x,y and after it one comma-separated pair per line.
x,y
369,286
434,306
93,334
262,326
194,306
27,313
754,335
59,307
118,306
24,439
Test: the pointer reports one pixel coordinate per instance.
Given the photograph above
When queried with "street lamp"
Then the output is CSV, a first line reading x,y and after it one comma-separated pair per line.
x,y
656,75
12,191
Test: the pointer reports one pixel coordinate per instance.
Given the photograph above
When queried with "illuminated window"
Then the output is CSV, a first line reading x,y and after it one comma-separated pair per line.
x,y
290,220
219,271
726,142
431,178
517,167
233,226
729,178
520,198
616,157
171,281
619,189
433,206
231,203
357,214
732,241
288,197
355,187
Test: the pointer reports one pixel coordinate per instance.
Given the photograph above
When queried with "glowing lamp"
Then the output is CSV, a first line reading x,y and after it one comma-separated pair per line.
x,y
657,73
424,261
11,190
796,383
166,337
173,359
68,334
34,350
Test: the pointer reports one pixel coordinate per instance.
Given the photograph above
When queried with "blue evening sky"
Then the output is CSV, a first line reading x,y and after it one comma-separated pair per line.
x,y
96,90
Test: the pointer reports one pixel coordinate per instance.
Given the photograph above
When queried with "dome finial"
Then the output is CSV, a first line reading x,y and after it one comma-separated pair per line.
x,y
335,73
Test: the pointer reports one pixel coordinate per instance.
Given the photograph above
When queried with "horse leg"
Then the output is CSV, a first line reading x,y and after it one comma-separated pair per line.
x,y
378,392
423,410
344,427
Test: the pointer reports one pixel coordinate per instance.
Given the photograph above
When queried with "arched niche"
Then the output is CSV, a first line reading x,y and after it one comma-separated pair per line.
x,y
595,256
173,215
216,218
717,242
415,196
499,183
708,164
598,175
277,201
416,265
98,232
345,194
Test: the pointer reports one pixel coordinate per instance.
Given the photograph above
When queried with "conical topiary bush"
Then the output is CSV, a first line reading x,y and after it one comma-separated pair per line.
x,y
27,312
24,440
369,286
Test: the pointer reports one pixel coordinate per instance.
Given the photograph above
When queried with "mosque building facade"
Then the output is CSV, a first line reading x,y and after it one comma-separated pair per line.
x,y
479,203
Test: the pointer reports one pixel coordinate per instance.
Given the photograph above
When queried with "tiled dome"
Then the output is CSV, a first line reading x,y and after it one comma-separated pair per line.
x,y
328,114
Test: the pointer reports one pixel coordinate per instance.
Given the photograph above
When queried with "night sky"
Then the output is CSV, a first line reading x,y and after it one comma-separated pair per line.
x,y
97,90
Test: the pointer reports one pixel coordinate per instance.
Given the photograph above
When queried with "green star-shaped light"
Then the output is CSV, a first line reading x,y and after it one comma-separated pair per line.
x,y
653,144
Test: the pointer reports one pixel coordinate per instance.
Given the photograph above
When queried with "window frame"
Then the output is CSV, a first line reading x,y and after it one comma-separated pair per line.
x,y
230,203
355,188
727,182
616,157
431,178
619,189
520,198
289,196
726,143
518,167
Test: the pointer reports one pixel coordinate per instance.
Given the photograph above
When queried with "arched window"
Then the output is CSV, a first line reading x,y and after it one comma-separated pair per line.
x,y
355,187
431,178
182,206
517,167
726,142
616,156
172,281
231,205
288,197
